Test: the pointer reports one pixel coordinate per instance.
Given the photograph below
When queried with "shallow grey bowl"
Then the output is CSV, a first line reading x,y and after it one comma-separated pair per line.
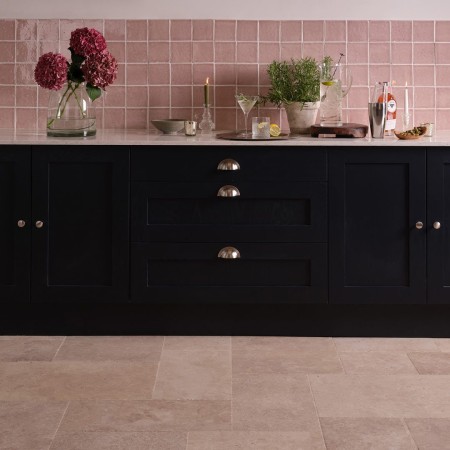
x,y
169,126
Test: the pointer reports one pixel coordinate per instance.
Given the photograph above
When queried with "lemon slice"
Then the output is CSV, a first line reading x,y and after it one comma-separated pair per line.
x,y
261,125
328,83
274,130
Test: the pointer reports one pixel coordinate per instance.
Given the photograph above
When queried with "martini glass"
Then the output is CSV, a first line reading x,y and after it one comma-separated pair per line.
x,y
246,102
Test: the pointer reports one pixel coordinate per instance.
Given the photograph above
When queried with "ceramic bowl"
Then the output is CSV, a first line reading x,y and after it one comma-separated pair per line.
x,y
169,126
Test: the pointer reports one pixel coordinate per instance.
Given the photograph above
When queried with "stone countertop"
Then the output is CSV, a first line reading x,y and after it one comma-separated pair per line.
x,y
144,137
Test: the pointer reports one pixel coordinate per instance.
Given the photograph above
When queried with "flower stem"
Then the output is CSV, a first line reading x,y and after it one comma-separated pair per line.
x,y
63,102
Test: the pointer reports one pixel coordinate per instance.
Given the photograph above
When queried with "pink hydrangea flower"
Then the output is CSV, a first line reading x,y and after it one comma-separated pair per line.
x,y
51,71
100,69
85,41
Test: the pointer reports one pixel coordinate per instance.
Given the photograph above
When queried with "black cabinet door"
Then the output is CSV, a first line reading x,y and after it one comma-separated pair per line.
x,y
15,206
376,197
81,251
438,230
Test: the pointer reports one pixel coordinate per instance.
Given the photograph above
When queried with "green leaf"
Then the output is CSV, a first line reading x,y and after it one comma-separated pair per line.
x,y
93,91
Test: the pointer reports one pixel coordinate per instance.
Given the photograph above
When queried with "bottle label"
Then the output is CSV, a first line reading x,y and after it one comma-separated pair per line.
x,y
390,124
392,106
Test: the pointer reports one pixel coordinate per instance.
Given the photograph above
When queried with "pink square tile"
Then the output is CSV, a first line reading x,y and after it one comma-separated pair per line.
x,y
225,30
158,96
181,74
357,53
313,30
136,118
443,119
182,113
26,29
137,74
247,74
202,30
26,96
115,96
181,30
247,52
225,51
158,30
424,54
7,52
225,96
313,50
115,30
117,49
136,30
203,51
424,115
47,46
358,97
423,31
159,73
199,98
225,74
268,52
443,31
94,23
264,79
25,73
358,30
157,113
7,30
290,50
424,97
158,51
401,74
201,72
225,119
181,96
442,75
334,49
47,30
269,30
335,30
360,75
7,74
272,113
6,117
66,26
43,97
247,30
26,118
379,31
137,96
442,53
7,94
26,51
424,75
358,116
181,52
379,73
136,52
291,31
120,80
401,53
42,118
401,30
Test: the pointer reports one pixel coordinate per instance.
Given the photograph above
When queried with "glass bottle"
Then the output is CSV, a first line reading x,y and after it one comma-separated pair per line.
x,y
391,109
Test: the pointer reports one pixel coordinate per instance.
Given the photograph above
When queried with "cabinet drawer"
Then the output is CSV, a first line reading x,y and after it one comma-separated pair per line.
x,y
201,164
186,212
293,273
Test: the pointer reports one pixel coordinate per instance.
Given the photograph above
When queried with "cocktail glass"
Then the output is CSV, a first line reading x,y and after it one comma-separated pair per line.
x,y
246,102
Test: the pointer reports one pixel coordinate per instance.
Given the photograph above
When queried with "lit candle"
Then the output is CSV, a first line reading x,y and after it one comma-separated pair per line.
x,y
406,100
206,91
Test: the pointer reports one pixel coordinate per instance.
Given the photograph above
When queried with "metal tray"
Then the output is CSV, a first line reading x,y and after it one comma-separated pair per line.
x,y
239,137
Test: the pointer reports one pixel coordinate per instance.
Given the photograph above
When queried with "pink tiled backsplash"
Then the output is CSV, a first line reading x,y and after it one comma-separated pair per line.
x,y
163,65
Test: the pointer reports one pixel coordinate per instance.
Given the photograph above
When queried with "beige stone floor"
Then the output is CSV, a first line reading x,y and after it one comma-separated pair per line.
x,y
224,393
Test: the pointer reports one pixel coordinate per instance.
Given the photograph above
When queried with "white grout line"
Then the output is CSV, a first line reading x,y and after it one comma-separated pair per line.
x,y
59,425
315,408
60,345
159,365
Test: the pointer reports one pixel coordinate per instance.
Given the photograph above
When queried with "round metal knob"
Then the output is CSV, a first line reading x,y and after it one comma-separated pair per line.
x,y
437,225
229,253
228,164
419,225
228,191
21,223
39,224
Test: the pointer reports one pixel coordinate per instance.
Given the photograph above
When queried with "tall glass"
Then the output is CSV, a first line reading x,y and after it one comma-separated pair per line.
x,y
335,82
246,102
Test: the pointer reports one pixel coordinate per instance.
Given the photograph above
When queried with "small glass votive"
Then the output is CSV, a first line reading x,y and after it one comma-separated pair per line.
x,y
430,128
406,121
261,127
190,127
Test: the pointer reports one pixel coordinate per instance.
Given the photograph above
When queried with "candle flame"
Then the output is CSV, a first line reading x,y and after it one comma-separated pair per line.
x,y
207,80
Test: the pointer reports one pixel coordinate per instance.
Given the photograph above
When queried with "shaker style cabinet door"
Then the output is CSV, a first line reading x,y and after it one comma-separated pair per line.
x,y
80,224
15,225
377,230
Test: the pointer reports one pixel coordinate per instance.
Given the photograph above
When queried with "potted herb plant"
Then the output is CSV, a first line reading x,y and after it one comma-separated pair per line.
x,y
296,87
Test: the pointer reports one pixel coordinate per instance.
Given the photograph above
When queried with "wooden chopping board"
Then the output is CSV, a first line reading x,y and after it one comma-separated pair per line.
x,y
348,130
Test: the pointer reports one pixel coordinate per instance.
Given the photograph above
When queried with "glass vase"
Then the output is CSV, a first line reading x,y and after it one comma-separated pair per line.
x,y
71,112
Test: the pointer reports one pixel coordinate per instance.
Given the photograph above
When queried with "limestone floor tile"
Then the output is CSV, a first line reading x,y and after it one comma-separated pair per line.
x,y
381,395
284,355
29,348
275,402
195,343
153,415
194,375
443,344
29,425
401,345
431,363
69,380
247,440
366,434
377,363
119,441
430,434
116,348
